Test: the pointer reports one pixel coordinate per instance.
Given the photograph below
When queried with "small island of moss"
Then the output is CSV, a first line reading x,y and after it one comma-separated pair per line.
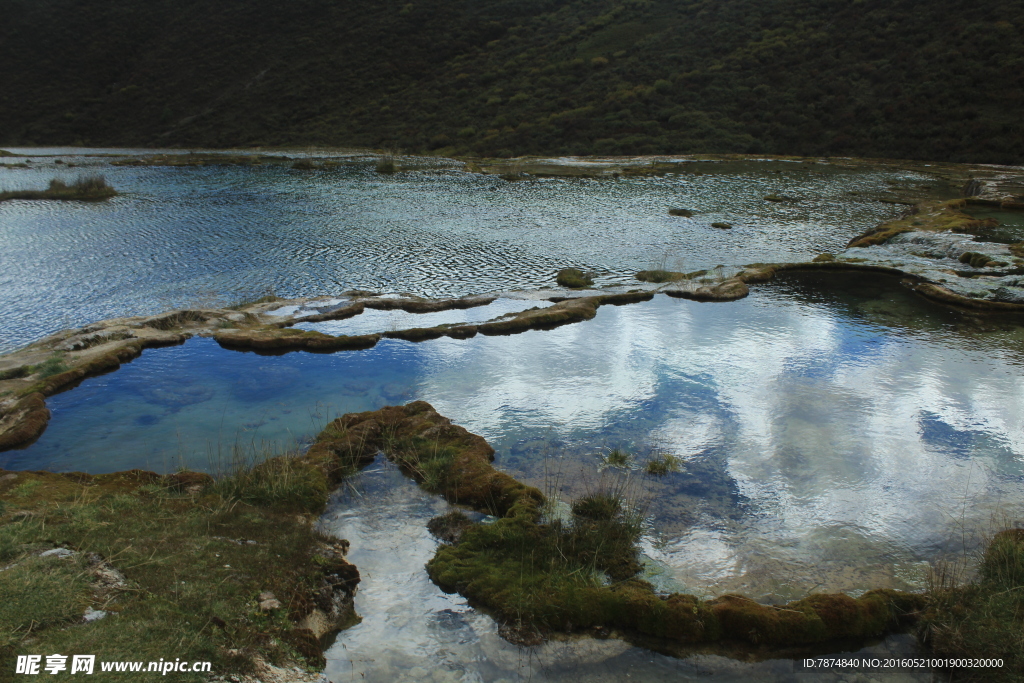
x,y
86,188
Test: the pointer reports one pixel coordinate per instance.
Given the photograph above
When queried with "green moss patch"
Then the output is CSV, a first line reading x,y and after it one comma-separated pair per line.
x,y
177,562
983,618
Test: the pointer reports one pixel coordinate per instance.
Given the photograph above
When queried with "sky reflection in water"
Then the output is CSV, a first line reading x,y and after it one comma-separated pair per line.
x,y
830,441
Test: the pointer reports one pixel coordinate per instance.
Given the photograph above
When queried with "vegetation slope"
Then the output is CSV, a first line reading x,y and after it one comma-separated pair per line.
x,y
940,80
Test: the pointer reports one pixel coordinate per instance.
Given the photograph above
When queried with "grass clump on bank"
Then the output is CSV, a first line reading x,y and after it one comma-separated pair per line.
x,y
983,618
180,564
54,365
85,188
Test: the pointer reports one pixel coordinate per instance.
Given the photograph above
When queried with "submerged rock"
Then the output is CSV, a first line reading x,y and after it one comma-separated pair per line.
x,y
659,276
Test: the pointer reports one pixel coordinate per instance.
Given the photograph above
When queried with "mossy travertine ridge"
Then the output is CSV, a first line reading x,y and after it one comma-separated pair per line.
x,y
510,566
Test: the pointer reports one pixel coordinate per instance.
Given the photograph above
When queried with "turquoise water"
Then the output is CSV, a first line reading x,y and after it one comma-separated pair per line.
x,y
217,234
829,434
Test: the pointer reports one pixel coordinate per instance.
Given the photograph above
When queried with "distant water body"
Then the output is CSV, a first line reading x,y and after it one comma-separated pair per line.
x,y
178,236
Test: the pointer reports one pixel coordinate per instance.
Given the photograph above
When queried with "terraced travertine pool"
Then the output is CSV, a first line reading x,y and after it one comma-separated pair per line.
x,y
835,432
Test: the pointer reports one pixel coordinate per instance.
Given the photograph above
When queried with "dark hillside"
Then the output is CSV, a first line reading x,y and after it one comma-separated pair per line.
x,y
939,79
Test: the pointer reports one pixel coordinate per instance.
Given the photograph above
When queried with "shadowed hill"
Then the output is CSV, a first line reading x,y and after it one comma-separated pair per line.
x,y
939,80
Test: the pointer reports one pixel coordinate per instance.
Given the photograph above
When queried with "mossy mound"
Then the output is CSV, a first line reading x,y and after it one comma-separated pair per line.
x,y
727,290
574,278
442,457
976,259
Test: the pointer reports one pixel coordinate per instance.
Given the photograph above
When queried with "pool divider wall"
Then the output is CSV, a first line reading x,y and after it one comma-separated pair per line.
x,y
929,290
279,337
